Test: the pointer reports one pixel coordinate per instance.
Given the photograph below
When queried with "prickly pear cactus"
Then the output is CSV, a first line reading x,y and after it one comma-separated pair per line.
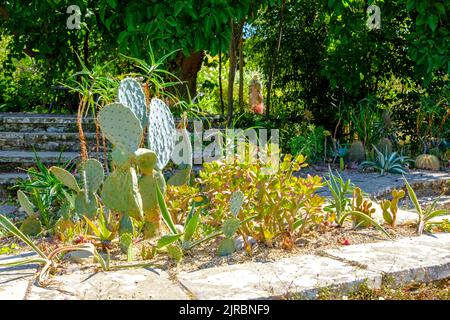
x,y
120,193
237,199
86,204
132,96
161,132
66,178
25,203
146,160
121,127
93,174
31,226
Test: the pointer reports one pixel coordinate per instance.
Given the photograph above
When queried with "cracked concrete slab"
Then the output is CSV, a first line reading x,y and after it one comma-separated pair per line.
x,y
300,275
14,281
136,284
423,258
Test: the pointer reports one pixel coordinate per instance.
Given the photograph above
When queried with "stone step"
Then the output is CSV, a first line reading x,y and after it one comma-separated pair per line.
x,y
7,180
30,122
45,141
11,160
26,122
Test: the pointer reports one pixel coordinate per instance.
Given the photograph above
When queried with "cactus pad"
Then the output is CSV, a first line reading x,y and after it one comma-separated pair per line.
x,y
65,177
237,199
161,132
226,247
180,178
146,160
132,96
93,173
231,226
86,204
121,127
120,193
31,226
25,203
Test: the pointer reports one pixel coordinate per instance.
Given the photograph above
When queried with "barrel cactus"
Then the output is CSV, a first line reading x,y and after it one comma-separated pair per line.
x,y
428,162
356,152
385,146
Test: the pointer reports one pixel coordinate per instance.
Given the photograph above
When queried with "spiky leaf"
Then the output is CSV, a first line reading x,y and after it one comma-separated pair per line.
x,y
237,199
93,174
132,96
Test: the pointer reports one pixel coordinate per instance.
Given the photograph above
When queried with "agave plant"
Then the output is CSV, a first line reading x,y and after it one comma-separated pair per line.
x,y
387,162
425,214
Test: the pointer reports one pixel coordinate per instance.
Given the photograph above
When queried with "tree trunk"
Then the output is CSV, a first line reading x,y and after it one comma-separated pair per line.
x,y
275,57
236,33
187,68
241,75
222,107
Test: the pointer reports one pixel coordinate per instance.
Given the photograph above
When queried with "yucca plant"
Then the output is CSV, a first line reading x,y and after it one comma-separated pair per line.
x,y
425,214
387,163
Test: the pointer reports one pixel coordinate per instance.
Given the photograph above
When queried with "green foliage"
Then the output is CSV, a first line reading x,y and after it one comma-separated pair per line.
x,y
363,206
310,143
42,194
424,214
340,191
387,163
290,202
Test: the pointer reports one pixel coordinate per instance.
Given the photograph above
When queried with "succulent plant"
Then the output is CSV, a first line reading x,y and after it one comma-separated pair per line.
x,y
387,163
231,225
385,146
390,207
121,126
132,96
161,132
361,205
356,152
92,175
428,162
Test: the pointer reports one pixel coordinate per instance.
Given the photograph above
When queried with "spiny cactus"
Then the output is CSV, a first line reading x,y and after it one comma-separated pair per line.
x,y
385,146
132,96
390,208
231,225
237,199
428,162
161,132
356,152
91,172
121,127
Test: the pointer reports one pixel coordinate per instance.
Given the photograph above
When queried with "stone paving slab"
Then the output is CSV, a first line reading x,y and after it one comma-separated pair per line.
x,y
286,277
135,284
424,258
14,280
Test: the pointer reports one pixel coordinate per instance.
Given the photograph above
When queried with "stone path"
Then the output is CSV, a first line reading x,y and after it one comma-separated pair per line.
x,y
424,258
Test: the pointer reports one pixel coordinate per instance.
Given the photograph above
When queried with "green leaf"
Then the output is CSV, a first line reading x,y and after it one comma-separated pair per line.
x,y
164,212
432,21
180,178
226,247
10,227
112,3
368,219
168,239
191,225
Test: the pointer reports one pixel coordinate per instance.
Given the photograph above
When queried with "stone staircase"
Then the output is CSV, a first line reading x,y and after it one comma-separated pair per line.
x,y
52,138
